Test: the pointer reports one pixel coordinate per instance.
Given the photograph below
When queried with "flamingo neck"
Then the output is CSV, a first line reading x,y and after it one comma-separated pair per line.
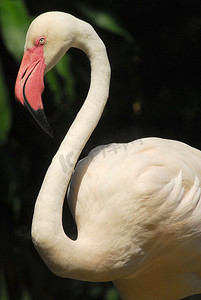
x,y
62,255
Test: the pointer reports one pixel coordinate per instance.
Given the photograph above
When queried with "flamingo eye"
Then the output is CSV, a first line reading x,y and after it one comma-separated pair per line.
x,y
41,41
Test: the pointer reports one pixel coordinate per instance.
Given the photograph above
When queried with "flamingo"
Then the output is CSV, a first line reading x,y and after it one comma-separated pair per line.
x,y
137,206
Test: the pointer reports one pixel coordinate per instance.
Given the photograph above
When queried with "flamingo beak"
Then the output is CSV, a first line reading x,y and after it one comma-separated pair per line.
x,y
29,86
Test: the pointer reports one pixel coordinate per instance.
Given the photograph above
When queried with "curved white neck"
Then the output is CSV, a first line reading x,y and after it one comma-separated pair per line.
x,y
62,255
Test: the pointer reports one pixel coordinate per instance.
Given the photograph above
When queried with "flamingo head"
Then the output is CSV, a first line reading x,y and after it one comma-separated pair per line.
x,y
46,42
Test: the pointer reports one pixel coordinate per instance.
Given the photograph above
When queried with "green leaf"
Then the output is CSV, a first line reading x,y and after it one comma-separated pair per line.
x,y
5,112
3,290
26,295
105,21
111,294
61,81
14,21
63,70
53,82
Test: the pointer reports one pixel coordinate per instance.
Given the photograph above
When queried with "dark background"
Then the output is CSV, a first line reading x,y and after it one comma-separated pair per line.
x,y
154,49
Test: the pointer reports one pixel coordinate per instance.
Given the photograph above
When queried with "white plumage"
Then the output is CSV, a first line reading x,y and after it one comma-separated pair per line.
x,y
152,186
137,206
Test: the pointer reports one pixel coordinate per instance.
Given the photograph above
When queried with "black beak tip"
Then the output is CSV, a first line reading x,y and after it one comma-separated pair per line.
x,y
41,121
38,115
38,118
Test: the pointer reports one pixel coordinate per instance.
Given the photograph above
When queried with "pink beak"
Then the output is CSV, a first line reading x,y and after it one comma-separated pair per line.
x,y
29,86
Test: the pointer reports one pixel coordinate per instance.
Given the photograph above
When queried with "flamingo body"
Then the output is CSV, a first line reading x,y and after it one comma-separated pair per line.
x,y
137,206
151,185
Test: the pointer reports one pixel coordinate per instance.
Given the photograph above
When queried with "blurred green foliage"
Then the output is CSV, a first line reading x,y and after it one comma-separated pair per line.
x,y
14,21
104,20
5,120
154,48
